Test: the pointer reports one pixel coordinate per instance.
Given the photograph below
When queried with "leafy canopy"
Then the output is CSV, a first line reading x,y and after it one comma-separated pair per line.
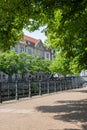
x,y
13,63
9,62
65,20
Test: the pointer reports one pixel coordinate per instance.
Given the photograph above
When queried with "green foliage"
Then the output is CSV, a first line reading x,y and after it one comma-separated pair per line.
x,y
15,15
40,65
67,32
45,66
66,25
9,62
60,65
13,63
23,63
34,88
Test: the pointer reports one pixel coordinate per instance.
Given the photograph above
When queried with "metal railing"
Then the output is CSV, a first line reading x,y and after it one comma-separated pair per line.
x,y
17,90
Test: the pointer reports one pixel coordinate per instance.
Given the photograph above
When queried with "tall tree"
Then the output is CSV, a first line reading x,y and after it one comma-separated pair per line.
x,y
66,22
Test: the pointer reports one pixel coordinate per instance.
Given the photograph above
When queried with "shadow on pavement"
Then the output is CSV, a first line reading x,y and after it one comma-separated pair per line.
x,y
72,129
68,111
65,129
81,91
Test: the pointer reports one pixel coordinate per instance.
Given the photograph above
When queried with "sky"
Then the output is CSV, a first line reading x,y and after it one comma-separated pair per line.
x,y
36,34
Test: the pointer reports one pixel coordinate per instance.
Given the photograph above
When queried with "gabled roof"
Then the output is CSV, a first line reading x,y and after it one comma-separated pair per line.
x,y
33,40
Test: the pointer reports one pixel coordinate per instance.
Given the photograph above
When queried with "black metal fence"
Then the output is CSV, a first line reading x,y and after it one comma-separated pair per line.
x,y
17,90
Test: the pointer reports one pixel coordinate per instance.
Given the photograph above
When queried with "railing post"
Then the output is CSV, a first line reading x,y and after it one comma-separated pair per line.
x,y
0,92
48,91
23,88
16,87
64,84
77,81
8,89
54,86
71,83
60,85
29,94
39,87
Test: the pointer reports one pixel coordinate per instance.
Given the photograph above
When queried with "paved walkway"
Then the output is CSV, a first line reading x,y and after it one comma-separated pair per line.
x,y
65,110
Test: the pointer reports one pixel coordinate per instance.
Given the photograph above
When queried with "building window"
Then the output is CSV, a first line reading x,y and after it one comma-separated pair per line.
x,y
36,76
28,42
16,76
52,57
29,51
22,49
3,76
52,51
39,77
47,55
46,48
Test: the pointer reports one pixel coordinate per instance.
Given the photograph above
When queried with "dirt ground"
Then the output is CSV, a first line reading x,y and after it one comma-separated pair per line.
x,y
66,110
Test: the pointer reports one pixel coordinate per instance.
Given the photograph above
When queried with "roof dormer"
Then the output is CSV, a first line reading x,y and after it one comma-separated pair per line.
x,y
28,42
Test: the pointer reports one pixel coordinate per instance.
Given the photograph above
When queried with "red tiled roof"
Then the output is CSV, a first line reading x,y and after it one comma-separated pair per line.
x,y
33,40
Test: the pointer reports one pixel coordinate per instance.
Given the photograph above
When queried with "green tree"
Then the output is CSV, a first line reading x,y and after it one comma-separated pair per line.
x,y
36,66
9,63
40,65
25,64
22,63
65,22
67,32
45,66
15,15
60,65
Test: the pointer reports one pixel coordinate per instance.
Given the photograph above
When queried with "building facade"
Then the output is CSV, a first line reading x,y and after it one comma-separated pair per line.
x,y
34,46
31,46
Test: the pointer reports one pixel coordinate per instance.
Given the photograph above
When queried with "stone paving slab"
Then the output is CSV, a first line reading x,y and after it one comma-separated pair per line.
x,y
65,110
